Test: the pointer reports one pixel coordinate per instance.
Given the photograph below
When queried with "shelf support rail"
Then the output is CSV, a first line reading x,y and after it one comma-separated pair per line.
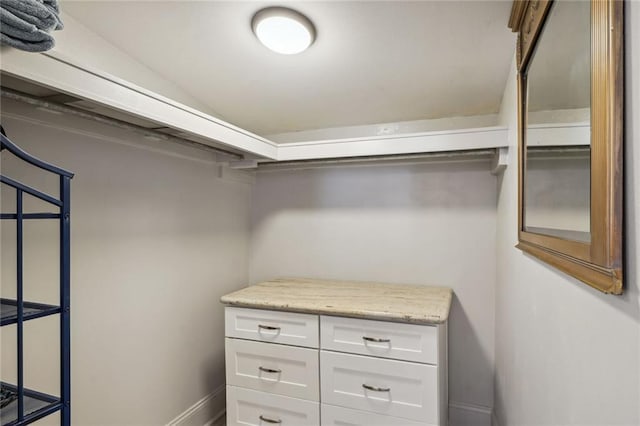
x,y
65,296
19,294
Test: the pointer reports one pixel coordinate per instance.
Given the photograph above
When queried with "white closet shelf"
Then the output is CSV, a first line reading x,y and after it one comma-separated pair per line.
x,y
54,71
412,143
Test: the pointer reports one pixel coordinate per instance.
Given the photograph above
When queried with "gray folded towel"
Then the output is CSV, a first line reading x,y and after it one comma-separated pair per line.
x,y
27,46
15,27
41,13
53,4
24,24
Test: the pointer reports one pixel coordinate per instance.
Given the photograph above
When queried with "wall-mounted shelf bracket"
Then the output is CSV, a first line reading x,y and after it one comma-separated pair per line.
x,y
500,161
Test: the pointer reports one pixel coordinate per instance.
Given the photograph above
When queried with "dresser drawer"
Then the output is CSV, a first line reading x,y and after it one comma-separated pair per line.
x,y
339,416
279,369
272,326
384,386
408,342
250,407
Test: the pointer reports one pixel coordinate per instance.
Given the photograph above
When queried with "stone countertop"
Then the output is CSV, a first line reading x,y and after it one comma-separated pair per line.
x,y
389,302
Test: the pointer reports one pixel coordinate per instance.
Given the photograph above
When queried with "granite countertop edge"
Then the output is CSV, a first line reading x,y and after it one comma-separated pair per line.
x,y
361,314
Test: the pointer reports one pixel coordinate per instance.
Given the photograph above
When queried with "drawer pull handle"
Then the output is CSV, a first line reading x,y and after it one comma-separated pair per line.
x,y
269,370
375,339
268,327
375,388
268,420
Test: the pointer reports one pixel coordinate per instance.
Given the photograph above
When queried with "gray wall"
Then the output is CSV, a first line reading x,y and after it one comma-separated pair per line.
x,y
422,224
567,354
157,238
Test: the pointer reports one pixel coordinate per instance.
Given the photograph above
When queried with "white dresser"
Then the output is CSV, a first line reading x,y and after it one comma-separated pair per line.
x,y
309,352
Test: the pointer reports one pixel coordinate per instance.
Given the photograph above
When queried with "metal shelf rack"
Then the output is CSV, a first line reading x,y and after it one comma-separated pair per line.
x,y
19,405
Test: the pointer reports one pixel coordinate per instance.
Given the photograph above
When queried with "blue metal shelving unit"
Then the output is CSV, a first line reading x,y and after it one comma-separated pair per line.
x,y
19,405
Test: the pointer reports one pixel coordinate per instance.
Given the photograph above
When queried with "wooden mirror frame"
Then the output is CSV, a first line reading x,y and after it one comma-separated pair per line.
x,y
598,263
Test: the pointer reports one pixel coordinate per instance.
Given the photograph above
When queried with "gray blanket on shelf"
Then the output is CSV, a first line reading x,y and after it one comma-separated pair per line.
x,y
25,24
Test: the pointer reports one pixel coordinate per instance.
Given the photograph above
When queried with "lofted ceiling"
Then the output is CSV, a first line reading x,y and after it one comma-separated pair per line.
x,y
373,61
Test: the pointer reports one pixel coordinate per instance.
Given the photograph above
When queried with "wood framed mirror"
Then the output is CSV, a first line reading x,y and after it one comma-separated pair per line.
x,y
570,131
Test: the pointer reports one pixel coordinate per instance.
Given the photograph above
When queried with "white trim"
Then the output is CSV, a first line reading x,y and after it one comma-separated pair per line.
x,y
200,412
56,71
439,141
559,134
465,414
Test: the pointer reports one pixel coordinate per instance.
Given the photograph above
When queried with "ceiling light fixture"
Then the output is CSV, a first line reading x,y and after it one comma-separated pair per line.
x,y
283,30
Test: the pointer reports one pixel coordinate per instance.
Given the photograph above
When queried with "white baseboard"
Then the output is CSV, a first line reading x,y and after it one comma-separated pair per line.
x,y
494,419
463,414
219,420
204,412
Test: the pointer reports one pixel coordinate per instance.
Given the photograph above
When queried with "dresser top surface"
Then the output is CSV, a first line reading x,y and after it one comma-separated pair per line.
x,y
389,302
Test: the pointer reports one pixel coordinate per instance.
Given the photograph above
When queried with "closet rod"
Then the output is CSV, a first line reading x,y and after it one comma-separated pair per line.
x,y
394,159
53,106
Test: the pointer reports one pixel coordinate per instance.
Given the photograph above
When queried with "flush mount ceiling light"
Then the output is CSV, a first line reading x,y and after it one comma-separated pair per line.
x,y
283,30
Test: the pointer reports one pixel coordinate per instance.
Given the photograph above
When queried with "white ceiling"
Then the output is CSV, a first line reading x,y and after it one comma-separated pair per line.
x,y
373,61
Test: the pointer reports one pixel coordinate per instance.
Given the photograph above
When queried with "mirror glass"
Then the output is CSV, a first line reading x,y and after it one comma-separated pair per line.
x,y
557,138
